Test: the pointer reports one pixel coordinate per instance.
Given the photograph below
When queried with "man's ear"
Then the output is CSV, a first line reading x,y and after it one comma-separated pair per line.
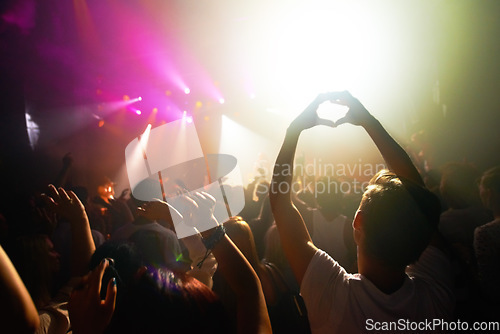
x,y
357,223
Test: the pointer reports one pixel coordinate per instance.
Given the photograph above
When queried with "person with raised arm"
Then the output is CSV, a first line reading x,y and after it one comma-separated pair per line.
x,y
394,224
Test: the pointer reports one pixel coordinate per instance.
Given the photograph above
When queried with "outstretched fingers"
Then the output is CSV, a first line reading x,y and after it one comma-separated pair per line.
x,y
96,278
110,302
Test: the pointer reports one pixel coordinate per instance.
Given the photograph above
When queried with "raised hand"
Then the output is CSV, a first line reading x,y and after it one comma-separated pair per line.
x,y
87,311
196,208
357,113
206,206
65,204
309,117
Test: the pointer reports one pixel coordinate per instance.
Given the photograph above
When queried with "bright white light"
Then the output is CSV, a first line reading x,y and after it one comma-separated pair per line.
x,y
138,112
323,46
145,136
221,100
189,119
187,90
33,130
139,98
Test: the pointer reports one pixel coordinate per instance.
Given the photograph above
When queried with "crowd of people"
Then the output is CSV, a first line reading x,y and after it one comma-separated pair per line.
x,y
418,246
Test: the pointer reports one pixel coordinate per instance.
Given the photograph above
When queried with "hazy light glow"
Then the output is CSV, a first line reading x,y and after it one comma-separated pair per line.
x,y
245,145
145,137
187,90
324,46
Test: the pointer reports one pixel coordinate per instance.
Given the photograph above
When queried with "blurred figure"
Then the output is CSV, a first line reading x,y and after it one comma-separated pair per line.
x,y
332,232
260,225
459,190
115,212
487,242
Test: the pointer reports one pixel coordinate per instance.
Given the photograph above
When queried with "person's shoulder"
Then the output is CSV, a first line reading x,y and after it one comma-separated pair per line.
x,y
488,228
123,232
323,262
432,265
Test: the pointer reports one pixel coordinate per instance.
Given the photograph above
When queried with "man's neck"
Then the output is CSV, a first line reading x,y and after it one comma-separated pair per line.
x,y
385,278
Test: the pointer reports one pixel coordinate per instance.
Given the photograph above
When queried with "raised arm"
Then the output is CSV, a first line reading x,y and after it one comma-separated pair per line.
x,y
18,312
394,155
234,267
294,236
68,206
239,274
62,176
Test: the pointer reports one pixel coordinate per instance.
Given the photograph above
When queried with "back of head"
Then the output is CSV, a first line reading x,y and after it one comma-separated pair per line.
x,y
490,188
159,301
399,218
328,195
459,185
152,300
491,179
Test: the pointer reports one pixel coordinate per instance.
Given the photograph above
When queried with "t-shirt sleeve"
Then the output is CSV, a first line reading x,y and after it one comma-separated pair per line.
x,y
324,289
432,266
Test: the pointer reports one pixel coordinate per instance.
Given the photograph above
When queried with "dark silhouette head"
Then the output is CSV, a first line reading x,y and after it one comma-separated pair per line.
x,y
399,218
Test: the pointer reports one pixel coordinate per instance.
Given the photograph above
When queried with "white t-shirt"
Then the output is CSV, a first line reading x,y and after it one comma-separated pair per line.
x,y
338,302
329,236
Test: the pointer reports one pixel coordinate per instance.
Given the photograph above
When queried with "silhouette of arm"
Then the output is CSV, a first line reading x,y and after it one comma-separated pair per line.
x,y
18,312
295,239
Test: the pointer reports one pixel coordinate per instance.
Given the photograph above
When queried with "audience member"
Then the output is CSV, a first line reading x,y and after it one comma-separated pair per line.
x,y
459,189
260,225
487,243
392,228
116,212
332,232
37,261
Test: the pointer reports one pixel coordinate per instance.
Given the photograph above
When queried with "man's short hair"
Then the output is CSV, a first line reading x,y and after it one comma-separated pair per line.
x,y
399,218
491,179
